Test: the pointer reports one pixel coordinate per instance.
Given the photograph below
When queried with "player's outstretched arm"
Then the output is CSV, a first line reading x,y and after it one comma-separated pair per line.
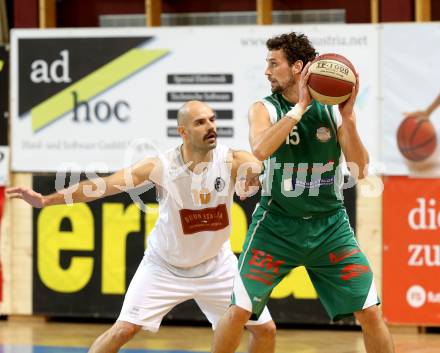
x,y
424,114
354,151
145,171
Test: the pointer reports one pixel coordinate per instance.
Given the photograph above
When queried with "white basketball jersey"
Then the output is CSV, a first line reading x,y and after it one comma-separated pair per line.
x,y
194,213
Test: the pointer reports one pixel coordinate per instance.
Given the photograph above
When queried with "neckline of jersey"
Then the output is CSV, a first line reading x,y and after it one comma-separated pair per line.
x,y
185,165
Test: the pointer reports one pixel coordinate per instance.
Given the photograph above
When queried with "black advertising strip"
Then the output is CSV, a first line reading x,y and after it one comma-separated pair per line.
x,y
225,131
350,203
221,131
172,131
200,96
199,79
4,95
90,301
220,114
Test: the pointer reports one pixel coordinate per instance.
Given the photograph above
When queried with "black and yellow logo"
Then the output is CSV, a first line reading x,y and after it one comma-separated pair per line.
x,y
72,71
90,86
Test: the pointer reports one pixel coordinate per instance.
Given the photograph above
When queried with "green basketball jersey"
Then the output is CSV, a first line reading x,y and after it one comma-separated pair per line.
x,y
303,177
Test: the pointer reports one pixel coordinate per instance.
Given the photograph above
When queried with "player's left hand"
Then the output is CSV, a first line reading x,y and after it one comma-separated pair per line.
x,y
32,197
347,108
304,98
247,187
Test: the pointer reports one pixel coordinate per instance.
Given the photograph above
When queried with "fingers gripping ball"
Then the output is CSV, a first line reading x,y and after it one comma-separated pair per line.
x,y
332,79
416,139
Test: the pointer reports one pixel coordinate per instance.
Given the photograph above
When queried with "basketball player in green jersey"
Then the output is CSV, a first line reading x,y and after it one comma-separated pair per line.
x,y
301,219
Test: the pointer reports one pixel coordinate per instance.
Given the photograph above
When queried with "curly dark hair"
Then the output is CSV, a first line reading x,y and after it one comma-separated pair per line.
x,y
295,47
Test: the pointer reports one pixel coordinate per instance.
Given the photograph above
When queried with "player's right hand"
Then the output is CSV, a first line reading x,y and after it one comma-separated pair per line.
x,y
32,197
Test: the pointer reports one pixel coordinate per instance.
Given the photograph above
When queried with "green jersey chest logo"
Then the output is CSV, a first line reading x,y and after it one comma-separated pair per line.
x,y
323,134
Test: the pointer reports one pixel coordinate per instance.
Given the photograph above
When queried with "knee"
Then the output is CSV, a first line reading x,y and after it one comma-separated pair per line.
x,y
266,332
269,329
123,331
238,315
369,316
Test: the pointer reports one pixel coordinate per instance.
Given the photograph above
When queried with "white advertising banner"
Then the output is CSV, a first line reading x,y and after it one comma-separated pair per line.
x,y
81,98
410,86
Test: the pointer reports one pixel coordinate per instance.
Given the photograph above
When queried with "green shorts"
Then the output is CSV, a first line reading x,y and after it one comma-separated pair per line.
x,y
326,246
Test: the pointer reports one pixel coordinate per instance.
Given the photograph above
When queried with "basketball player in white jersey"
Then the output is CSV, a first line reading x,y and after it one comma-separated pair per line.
x,y
188,254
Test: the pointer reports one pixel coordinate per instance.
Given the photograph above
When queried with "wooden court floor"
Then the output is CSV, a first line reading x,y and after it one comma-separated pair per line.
x,y
34,335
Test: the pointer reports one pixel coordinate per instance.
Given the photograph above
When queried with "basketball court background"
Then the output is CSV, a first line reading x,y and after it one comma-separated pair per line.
x,y
19,260
65,128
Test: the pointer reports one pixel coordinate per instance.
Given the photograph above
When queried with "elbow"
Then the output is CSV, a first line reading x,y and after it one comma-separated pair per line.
x,y
362,175
363,171
359,173
359,167
260,153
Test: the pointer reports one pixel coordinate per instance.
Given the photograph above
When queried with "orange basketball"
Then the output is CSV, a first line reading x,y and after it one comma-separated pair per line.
x,y
332,78
416,139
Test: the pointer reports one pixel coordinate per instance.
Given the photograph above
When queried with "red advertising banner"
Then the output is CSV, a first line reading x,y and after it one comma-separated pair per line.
x,y
411,251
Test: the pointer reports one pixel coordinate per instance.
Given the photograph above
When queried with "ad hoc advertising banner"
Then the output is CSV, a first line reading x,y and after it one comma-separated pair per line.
x,y
101,99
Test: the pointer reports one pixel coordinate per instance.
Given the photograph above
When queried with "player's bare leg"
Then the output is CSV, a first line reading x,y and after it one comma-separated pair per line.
x,y
377,337
227,335
262,338
114,338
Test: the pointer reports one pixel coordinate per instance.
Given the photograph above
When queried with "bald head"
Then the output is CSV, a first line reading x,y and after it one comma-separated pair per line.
x,y
196,125
190,109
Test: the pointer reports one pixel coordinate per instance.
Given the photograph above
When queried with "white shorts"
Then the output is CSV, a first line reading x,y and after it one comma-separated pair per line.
x,y
154,291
